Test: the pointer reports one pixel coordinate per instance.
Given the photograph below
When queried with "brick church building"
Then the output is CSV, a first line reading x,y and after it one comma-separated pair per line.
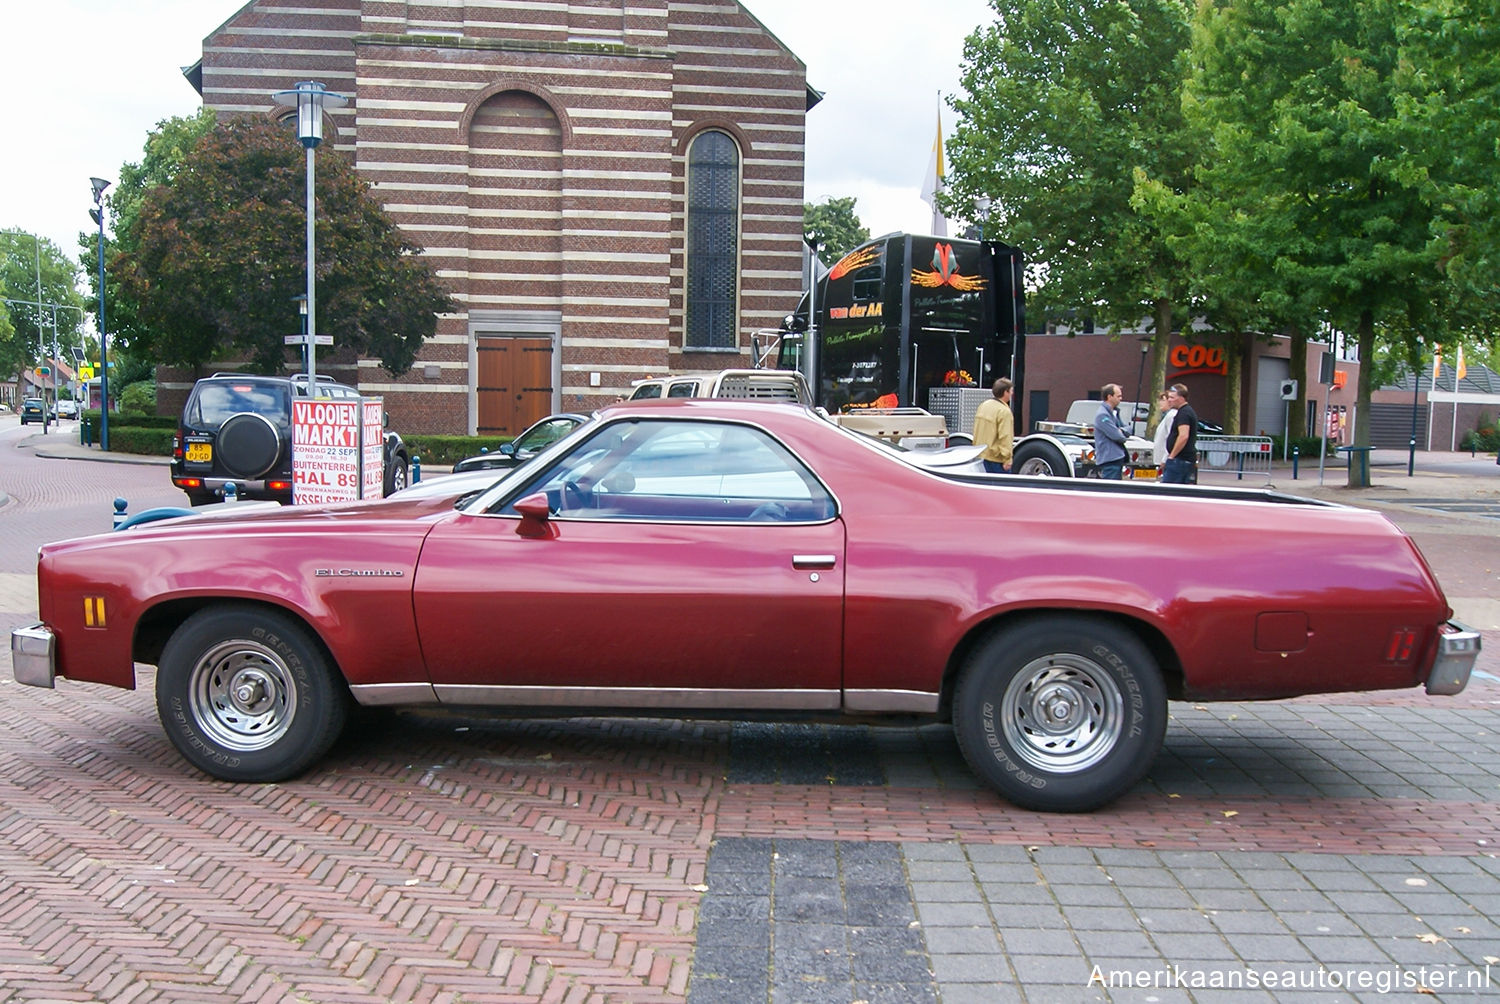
x,y
611,189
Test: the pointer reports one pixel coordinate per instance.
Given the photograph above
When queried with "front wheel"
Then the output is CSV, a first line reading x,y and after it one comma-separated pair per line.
x,y
247,694
1060,714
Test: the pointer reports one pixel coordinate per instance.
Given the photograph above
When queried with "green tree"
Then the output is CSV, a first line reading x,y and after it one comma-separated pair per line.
x,y
221,255
166,147
1328,166
25,330
1065,102
835,225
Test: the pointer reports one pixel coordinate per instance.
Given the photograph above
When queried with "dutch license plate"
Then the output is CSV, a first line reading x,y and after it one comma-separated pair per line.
x,y
1146,473
200,453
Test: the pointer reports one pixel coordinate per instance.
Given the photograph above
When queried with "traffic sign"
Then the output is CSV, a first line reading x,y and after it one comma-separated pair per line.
x,y
302,339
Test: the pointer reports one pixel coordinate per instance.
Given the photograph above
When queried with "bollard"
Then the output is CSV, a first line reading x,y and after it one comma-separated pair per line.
x,y
120,507
483,450
1295,453
84,433
231,492
416,468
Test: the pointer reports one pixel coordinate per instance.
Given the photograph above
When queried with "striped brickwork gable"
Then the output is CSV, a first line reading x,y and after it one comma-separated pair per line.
x,y
536,151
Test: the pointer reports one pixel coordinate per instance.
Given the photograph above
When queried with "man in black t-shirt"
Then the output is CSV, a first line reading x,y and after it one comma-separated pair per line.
x,y
1181,467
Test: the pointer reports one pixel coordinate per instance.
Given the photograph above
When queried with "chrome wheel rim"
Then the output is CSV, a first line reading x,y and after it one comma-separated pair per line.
x,y
398,478
1036,467
1063,713
242,696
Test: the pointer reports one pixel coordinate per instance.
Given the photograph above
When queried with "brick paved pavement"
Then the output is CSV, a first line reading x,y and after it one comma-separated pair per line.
x,y
452,859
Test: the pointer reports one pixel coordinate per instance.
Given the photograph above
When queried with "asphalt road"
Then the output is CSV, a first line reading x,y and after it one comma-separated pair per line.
x,y
1325,849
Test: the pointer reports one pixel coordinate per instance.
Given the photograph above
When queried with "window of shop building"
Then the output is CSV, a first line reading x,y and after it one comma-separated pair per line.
x,y
712,240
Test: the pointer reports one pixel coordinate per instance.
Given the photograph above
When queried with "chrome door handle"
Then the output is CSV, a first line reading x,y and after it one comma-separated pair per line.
x,y
814,560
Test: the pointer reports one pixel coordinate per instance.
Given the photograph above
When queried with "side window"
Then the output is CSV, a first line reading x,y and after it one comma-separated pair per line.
x,y
713,220
646,391
867,283
674,471
683,388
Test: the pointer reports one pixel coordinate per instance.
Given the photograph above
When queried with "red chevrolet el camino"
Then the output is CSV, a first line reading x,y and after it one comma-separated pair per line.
x,y
735,559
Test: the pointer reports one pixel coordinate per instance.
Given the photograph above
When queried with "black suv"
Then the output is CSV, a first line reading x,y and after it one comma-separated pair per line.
x,y
238,427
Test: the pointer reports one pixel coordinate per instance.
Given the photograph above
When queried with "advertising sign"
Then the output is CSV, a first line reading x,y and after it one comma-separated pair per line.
x,y
329,452
372,455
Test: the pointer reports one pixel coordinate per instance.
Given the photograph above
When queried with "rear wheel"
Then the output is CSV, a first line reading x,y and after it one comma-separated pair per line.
x,y
396,476
1040,460
246,694
1060,713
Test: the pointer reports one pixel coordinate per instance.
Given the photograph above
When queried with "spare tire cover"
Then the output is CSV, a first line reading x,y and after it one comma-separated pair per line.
x,y
248,445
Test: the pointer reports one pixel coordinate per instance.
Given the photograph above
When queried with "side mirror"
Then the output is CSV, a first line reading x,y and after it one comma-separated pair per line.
x,y
535,517
509,449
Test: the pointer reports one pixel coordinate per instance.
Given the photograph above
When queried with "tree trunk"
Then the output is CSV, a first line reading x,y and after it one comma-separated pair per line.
x,y
1161,344
1297,417
1234,359
1359,473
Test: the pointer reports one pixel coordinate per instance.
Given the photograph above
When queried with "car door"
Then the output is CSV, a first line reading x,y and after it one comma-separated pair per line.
x,y
683,564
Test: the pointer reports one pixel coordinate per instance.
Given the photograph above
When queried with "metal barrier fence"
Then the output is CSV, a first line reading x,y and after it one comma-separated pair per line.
x,y
1235,456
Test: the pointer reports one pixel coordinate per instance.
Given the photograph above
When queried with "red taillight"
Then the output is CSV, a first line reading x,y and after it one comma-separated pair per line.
x,y
188,482
177,439
279,486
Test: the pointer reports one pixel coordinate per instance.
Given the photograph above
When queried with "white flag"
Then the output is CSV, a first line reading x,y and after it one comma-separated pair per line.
x,y
933,185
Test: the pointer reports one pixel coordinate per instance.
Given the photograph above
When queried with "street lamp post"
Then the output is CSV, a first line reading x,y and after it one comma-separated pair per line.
x,y
982,212
310,97
1140,374
97,213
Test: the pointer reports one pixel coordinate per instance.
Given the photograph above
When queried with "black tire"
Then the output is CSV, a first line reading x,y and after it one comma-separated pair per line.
x,y
248,445
247,694
1042,460
397,476
1060,713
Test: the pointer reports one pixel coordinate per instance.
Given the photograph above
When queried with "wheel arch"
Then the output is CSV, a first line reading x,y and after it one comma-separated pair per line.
x,y
1148,634
158,623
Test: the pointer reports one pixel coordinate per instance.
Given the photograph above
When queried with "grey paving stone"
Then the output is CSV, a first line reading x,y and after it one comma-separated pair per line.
x,y
891,968
741,909
1115,944
1017,873
1226,899
1248,923
878,906
914,850
1103,918
939,871
742,933
747,883
984,993
1062,970
952,914
1041,916
1028,941
812,858
962,940
895,993
728,990
731,854
944,892
1320,924
1172,922
809,905
978,968
997,854
1199,948
1145,898
1088,894
1268,948
1297,901
1336,950
1127,877
730,962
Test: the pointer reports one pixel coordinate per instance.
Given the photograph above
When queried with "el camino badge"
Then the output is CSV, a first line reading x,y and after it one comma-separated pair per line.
x,y
358,573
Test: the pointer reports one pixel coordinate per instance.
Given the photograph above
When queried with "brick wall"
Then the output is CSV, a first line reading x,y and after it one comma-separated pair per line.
x,y
537,154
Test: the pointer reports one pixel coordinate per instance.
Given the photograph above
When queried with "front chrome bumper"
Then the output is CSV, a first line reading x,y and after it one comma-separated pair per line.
x,y
1458,650
33,652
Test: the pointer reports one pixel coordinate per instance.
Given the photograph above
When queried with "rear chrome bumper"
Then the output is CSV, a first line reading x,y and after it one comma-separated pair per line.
x,y
1458,650
33,652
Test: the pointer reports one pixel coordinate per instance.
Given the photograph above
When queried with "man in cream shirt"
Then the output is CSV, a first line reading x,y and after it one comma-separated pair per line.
x,y
995,429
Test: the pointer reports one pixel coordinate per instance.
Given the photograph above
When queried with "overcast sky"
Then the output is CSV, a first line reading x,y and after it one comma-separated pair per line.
x,y
86,80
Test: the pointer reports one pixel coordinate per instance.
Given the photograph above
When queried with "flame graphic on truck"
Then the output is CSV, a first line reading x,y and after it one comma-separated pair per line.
x,y
944,272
